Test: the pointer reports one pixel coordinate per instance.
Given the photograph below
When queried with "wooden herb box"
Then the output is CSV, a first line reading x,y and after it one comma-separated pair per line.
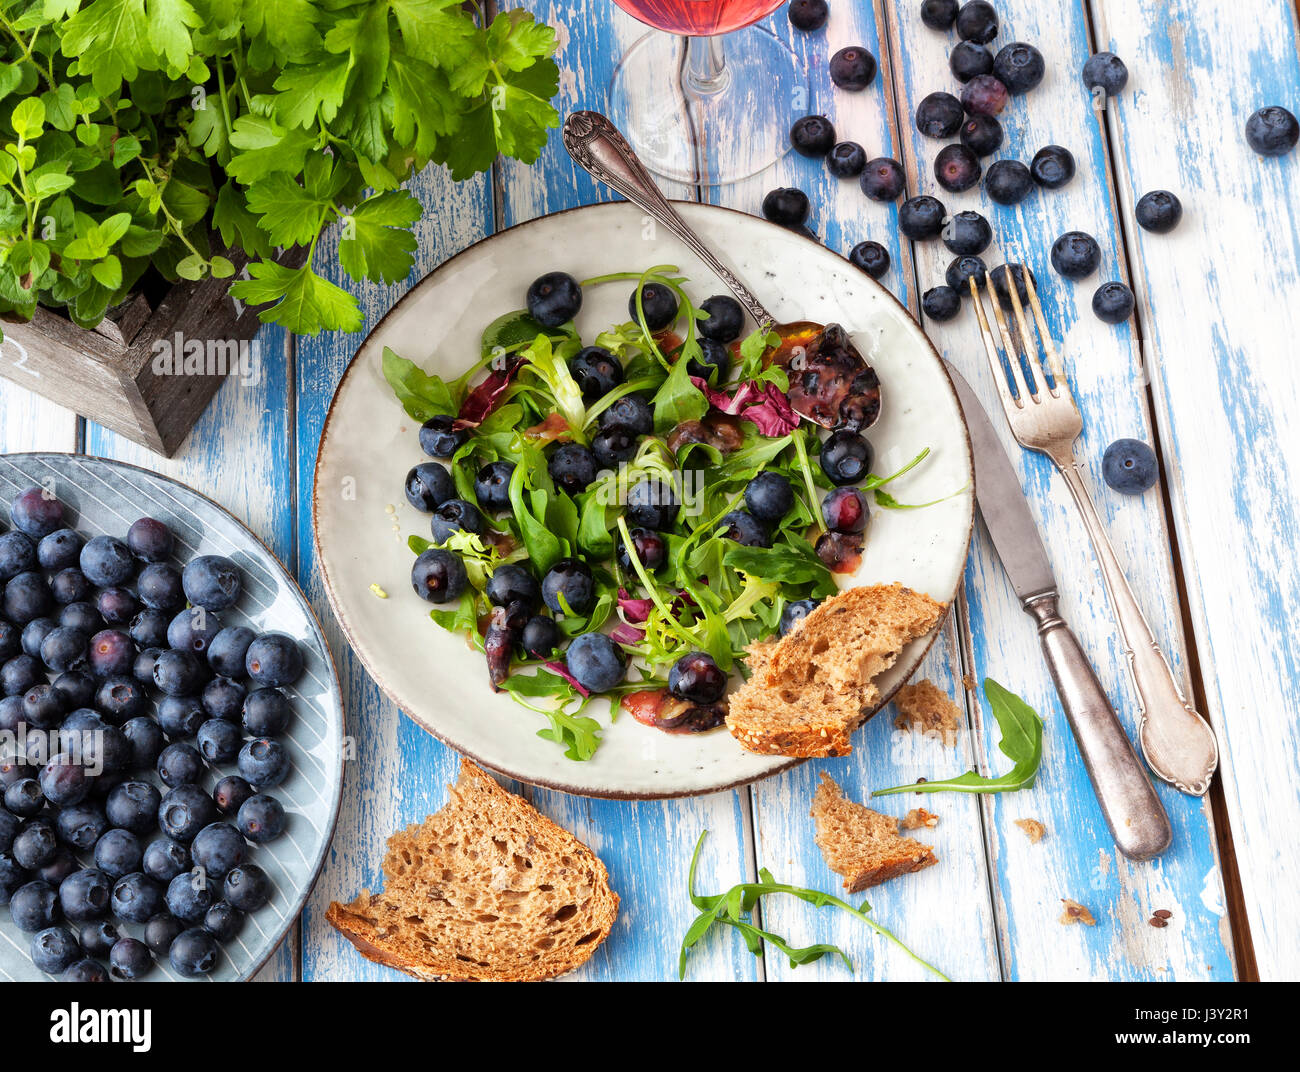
x,y
147,371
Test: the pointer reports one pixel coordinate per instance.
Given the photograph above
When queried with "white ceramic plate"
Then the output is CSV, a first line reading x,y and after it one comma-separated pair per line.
x,y
361,517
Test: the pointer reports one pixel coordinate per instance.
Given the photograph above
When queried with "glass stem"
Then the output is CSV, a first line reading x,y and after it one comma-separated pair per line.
x,y
704,69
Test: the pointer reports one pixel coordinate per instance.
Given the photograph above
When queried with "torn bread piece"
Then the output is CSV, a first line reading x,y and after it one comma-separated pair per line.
x,y
860,844
925,708
1075,913
1034,830
918,818
485,889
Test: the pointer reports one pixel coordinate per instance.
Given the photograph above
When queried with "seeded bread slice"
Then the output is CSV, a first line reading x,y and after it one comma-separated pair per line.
x,y
808,691
860,844
487,889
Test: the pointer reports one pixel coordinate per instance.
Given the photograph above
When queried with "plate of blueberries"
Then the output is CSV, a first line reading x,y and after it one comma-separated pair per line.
x,y
171,731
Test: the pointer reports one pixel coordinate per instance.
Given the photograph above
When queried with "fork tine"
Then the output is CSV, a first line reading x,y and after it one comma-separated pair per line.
x,y
991,349
1028,340
1013,355
1049,345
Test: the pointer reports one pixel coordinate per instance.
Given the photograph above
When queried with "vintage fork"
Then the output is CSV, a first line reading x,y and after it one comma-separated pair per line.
x,y
1178,743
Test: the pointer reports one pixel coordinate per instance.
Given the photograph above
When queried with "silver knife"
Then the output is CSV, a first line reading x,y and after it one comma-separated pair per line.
x,y
1136,818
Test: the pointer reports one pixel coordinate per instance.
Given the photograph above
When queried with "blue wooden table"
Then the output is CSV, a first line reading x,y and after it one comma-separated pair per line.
x,y
1205,372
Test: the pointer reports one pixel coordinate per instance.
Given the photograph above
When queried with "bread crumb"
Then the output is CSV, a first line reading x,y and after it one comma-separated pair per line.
x,y
1034,830
1075,913
917,818
968,683
925,708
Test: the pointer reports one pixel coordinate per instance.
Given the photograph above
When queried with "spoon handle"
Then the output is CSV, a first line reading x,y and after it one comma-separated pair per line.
x,y
600,150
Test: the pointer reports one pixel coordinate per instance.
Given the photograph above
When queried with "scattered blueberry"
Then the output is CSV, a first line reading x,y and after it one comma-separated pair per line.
x,y
941,303
59,550
871,257
1272,131
651,551
613,445
440,438
161,931
964,269
149,628
129,959
230,794
1158,212
769,497
554,299
724,323
35,845
64,782
853,68
807,15
181,716
967,233
455,515
178,673
939,14
957,168
846,458
36,512
265,713
133,806
150,540
248,887
1002,287
97,937
652,504
1076,255
180,764
84,896
53,949
967,59
27,597
794,612
977,21
1052,167
513,583
437,576
595,662
146,739
744,529
218,848
85,971
787,206
428,486
813,135
846,160
1020,67
1113,303
713,364
845,510
939,115
184,811
194,952
17,555
1105,71
107,561
539,639
136,898
70,586
883,179
164,859
983,95
1129,466
223,921
1008,181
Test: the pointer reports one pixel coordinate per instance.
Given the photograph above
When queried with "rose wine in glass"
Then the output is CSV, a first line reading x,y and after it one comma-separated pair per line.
x,y
701,108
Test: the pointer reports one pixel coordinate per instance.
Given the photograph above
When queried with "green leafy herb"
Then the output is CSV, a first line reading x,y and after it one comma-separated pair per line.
x,y
1022,743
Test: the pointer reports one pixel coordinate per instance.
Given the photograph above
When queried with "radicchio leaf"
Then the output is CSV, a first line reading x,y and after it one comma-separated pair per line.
x,y
766,406
484,399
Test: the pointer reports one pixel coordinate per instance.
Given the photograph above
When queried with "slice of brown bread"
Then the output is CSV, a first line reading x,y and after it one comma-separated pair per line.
x,y
860,844
486,889
808,691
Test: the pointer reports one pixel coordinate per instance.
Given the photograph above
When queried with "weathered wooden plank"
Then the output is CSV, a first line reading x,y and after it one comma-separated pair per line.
x,y
30,422
1217,305
1078,859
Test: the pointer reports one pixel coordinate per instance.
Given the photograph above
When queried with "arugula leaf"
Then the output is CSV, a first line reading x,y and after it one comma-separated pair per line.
x,y
544,547
422,394
1022,743
787,563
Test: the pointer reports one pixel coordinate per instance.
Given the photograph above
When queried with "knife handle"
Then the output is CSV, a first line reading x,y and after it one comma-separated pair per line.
x,y
1136,818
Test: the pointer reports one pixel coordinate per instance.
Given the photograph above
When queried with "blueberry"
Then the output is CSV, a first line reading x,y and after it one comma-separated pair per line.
x,y
43,708
180,764
275,659
745,529
230,794
437,576
178,673
939,14
967,59
650,546
725,321
713,364
181,716
455,515
189,896
159,586
150,540
1007,181
568,587
1076,255
1129,466
58,867
1272,131
813,135
64,782
33,633
440,438
428,486
249,888
794,612
111,653
658,304
572,467
219,741
53,949
97,937
807,15
27,597
697,679
540,638
921,217
129,959
264,763
769,497
36,512
59,550
846,458
85,895
554,299
70,586
1113,303
223,921
613,445
184,811
149,628
1158,212
871,257
596,371
939,115
227,650
853,68
193,630
161,931
1020,67
631,412
133,806
81,825
595,662
218,848
117,853
883,179
652,504
1105,71
35,845
164,859
19,674
984,95
223,698
999,276
212,582
957,168
17,555
492,486
786,206
120,699
977,21
136,898
84,971
964,269
941,303
146,739
513,583
1052,167
107,562
261,818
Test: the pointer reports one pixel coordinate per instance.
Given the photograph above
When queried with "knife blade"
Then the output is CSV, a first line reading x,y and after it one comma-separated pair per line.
x,y
1002,501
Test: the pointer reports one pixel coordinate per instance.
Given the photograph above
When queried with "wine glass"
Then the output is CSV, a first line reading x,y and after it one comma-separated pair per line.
x,y
694,113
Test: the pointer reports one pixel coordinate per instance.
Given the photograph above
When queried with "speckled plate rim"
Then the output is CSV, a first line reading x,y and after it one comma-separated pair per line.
x,y
336,798
575,790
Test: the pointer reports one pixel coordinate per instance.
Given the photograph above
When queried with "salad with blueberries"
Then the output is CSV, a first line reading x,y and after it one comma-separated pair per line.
x,y
140,745
623,516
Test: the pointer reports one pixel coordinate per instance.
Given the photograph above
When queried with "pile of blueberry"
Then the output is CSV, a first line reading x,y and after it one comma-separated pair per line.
x,y
113,666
